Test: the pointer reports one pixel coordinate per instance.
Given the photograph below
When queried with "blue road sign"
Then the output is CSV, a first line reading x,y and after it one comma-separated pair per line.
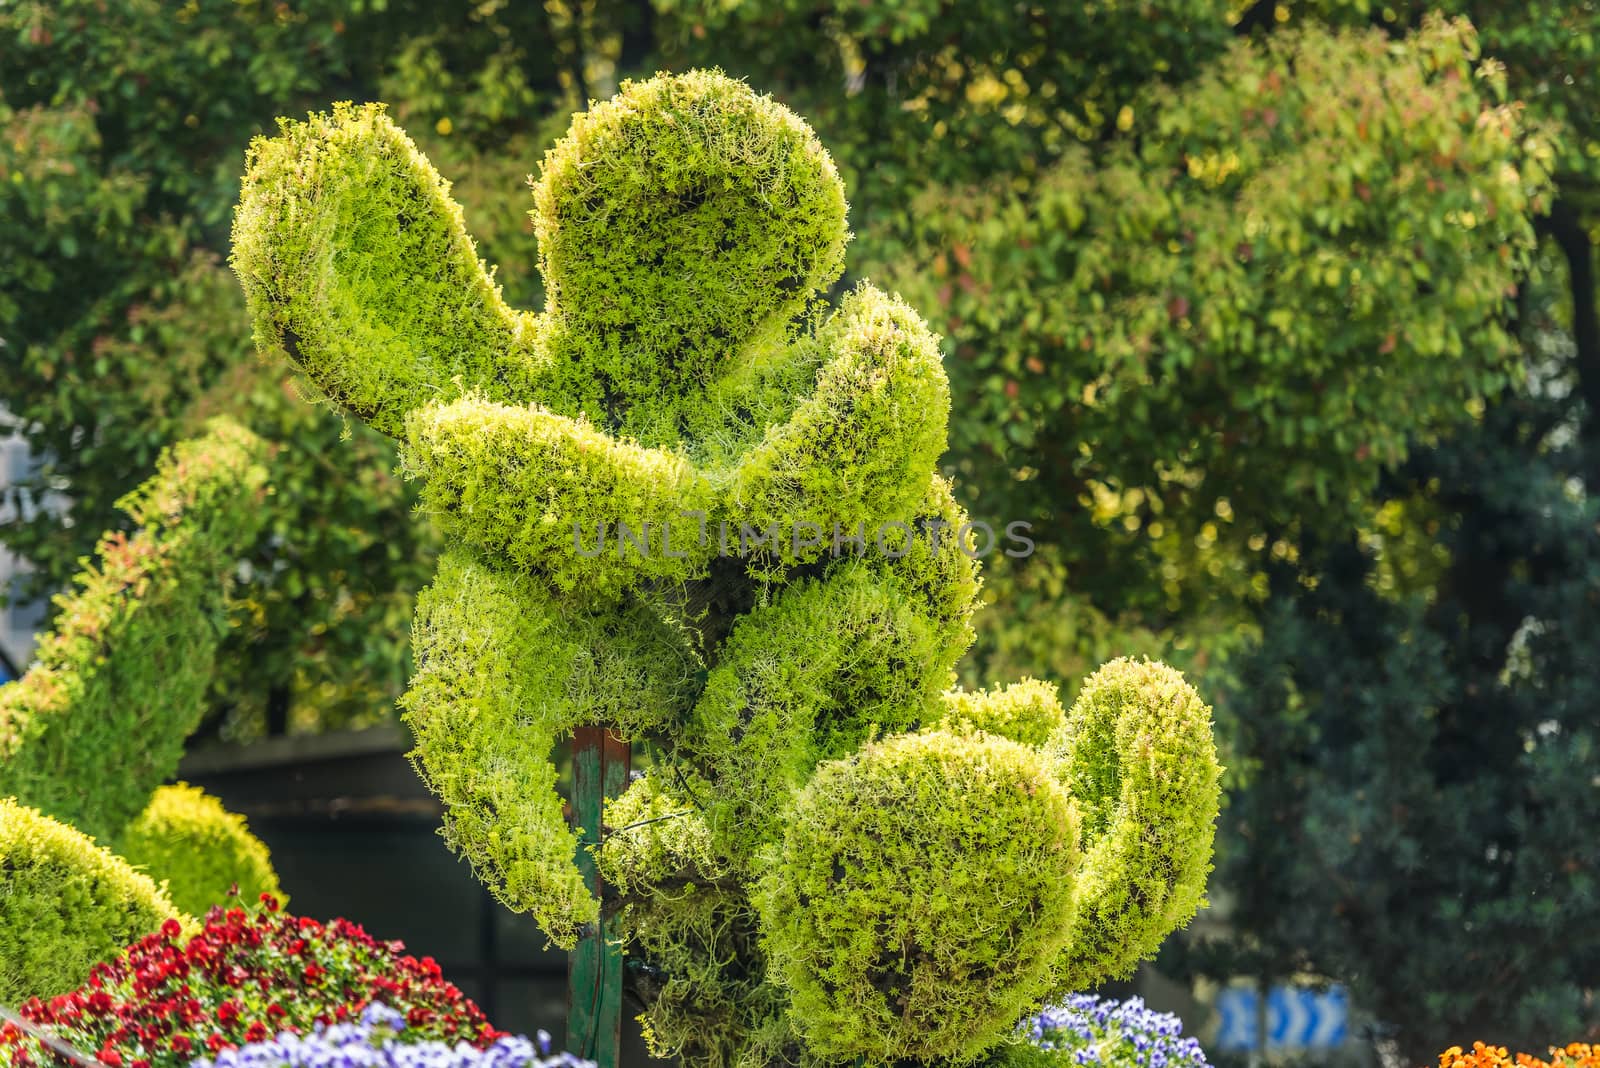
x,y
1297,1018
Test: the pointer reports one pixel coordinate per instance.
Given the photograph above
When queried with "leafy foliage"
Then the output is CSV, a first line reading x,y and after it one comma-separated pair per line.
x,y
1249,302
124,331
1419,771
199,849
65,904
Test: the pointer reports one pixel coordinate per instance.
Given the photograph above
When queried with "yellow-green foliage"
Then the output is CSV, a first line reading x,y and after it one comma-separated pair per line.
x,y
65,905
100,719
922,892
357,267
1028,711
683,380
690,930
830,663
524,483
916,885
186,839
1138,756
503,670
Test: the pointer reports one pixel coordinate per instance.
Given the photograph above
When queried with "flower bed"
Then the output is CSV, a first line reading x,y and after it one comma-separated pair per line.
x,y
373,1040
246,977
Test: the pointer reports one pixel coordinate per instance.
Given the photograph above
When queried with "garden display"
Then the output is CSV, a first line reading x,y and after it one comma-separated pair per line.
x,y
695,503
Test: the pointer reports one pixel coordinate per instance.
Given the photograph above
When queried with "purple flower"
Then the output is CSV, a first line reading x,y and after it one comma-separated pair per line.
x,y
1100,1032
377,1040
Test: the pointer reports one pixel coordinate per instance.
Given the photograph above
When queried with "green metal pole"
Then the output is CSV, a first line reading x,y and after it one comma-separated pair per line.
x,y
594,968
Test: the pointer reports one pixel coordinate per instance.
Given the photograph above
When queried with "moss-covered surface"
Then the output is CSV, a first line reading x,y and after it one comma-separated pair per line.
x,y
833,857
203,852
65,905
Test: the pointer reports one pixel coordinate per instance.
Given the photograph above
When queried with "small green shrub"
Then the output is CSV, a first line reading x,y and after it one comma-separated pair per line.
x,y
65,905
100,719
200,849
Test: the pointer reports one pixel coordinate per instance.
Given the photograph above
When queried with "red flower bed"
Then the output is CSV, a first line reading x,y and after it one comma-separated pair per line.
x,y
247,976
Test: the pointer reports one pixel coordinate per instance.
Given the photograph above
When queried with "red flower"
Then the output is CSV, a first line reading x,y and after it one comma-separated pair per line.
x,y
159,1004
171,928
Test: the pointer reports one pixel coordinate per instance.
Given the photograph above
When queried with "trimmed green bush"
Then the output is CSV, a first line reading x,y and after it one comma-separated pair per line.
x,y
65,905
504,670
185,838
100,719
920,896
1137,754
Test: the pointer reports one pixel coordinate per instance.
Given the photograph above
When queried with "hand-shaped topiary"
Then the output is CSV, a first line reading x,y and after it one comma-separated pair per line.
x,y
689,502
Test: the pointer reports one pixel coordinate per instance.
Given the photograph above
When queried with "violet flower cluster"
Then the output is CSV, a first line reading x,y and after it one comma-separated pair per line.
x,y
375,1041
1116,1034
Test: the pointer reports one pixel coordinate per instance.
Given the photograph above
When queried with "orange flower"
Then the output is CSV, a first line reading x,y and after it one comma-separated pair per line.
x,y
1572,1055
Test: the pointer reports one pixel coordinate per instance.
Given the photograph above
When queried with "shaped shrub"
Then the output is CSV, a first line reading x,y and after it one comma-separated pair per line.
x,y
691,502
925,847
100,719
202,850
1138,757
65,904
169,999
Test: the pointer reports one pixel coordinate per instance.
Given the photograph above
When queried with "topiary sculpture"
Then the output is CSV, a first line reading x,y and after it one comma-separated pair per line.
x,y
690,503
99,721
